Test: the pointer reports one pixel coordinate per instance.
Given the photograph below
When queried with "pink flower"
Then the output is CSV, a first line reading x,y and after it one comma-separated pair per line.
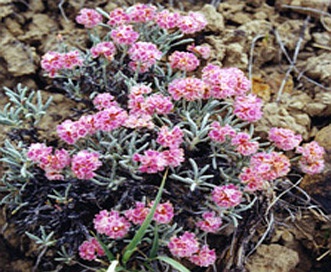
x,y
284,139
139,121
89,249
270,165
104,101
252,180
244,144
111,224
159,104
248,108
142,13
183,61
174,157
164,213
67,131
151,162
124,34
225,82
37,151
138,105
189,88
118,17
227,196
312,161
211,223
144,55
89,18
167,20
140,89
107,49
219,133
137,215
205,257
87,124
72,59
59,160
202,50
52,62
193,22
110,118
84,163
184,246
170,138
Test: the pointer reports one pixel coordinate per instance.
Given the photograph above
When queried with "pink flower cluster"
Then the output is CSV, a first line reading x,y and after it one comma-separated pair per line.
x,y
111,224
52,164
284,139
219,133
142,13
210,223
201,50
52,62
187,246
143,55
107,49
225,82
183,61
89,250
84,163
227,196
312,161
103,101
124,34
270,166
89,18
166,19
248,108
189,88
118,17
192,23
170,138
163,214
251,179
244,145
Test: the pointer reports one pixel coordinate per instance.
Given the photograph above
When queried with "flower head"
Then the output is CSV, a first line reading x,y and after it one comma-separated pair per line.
x,y
204,257
244,145
284,139
151,162
219,133
193,22
89,18
184,61
107,49
164,213
210,222
166,19
118,17
124,34
137,215
89,249
142,13
170,138
184,246
248,108
189,88
227,196
84,163
312,161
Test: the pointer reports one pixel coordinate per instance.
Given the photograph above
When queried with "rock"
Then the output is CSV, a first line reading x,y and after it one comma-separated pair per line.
x,y
318,68
6,8
304,6
273,258
323,38
241,18
235,56
217,48
256,27
214,18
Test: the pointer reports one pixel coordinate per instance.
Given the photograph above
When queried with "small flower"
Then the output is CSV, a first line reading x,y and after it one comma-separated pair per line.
x,y
174,157
52,62
170,138
139,121
137,215
37,151
140,89
252,180
312,161
107,49
142,13
227,196
202,50
244,145
159,104
118,17
183,61
166,19
89,18
192,23
205,257
248,108
89,249
72,59
110,118
164,212
124,34
211,223
111,224
184,246
189,88
284,139
219,133
104,101
68,132
84,163
151,162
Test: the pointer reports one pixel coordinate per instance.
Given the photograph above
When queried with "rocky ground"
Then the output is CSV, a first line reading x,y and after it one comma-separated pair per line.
x,y
285,48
